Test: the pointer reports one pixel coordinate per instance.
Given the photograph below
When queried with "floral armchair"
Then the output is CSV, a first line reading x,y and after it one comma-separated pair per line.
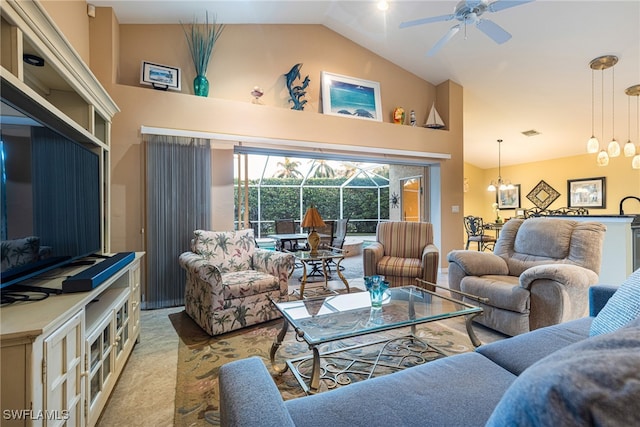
x,y
230,280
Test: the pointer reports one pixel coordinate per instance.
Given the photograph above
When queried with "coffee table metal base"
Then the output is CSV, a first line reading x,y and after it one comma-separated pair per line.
x,y
335,368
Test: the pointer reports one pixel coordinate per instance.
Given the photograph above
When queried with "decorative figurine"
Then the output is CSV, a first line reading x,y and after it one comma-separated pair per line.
x,y
257,92
296,92
398,115
412,118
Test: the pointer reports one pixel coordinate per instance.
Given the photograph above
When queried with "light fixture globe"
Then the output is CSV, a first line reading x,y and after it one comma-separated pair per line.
x,y
613,149
603,158
593,145
629,149
635,163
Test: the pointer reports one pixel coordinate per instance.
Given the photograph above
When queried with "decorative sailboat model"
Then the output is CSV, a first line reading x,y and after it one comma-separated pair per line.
x,y
434,121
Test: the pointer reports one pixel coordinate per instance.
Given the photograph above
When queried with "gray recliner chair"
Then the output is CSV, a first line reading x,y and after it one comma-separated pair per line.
x,y
538,274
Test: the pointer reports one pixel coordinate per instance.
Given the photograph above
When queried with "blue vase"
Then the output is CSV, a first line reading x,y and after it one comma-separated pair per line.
x,y
201,85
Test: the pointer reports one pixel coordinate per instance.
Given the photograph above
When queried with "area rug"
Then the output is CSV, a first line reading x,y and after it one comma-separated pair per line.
x,y
200,357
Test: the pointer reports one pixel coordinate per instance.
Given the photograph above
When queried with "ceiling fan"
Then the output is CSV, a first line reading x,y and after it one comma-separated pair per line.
x,y
469,12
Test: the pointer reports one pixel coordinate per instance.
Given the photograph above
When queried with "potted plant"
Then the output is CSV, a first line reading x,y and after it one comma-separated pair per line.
x,y
201,39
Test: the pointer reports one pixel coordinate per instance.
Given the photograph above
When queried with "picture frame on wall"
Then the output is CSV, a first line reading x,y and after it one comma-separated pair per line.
x,y
160,77
508,198
350,97
587,193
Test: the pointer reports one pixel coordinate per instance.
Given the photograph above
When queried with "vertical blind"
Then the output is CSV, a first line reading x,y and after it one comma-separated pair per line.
x,y
178,199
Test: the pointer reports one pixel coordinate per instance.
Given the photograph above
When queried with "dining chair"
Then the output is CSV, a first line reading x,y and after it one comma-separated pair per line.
x,y
475,228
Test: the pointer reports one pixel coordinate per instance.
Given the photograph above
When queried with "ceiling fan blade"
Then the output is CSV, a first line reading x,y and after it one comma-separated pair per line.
x,y
426,20
493,30
436,47
499,5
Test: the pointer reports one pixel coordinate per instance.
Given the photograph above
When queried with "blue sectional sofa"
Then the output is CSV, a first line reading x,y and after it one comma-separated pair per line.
x,y
553,376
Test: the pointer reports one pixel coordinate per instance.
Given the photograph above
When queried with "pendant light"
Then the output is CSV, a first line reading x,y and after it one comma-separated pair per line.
x,y
602,63
500,183
635,91
613,149
629,147
593,145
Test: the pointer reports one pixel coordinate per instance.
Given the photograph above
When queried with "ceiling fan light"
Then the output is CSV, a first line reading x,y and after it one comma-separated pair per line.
x,y
613,148
629,149
635,163
603,158
383,5
593,145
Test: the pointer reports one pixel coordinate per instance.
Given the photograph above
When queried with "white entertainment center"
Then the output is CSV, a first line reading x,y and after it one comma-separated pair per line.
x,y
62,356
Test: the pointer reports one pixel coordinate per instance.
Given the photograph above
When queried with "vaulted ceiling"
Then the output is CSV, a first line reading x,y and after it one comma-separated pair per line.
x,y
538,80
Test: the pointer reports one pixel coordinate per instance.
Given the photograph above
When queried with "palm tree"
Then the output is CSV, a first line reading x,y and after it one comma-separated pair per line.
x,y
289,169
349,169
323,170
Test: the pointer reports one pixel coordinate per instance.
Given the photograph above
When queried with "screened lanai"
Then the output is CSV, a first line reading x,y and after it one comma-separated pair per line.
x,y
274,187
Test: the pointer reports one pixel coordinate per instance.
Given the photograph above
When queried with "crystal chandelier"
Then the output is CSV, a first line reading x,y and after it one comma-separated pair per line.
x,y
500,184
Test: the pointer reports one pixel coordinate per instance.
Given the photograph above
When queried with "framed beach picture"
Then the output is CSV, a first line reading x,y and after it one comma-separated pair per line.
x,y
160,76
350,97
587,193
509,198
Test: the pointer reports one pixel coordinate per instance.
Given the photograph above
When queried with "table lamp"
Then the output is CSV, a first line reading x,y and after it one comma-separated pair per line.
x,y
312,219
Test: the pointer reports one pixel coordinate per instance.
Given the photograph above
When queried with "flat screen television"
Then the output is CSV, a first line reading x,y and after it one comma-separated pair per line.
x,y
49,197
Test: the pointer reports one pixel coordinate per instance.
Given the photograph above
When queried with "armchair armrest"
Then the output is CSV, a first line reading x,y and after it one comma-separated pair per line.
x,y
240,382
430,263
598,297
275,263
370,257
475,263
200,267
570,276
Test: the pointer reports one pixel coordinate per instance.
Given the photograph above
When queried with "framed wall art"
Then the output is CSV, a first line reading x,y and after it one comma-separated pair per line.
x,y
350,97
587,193
509,198
160,76
542,195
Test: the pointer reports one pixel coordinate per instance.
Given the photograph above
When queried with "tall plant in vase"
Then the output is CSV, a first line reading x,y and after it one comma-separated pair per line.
x,y
201,39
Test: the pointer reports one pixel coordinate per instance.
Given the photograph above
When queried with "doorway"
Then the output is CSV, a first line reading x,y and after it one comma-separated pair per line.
x,y
410,200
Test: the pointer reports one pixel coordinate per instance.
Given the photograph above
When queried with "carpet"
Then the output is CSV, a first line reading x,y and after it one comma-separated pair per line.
x,y
200,357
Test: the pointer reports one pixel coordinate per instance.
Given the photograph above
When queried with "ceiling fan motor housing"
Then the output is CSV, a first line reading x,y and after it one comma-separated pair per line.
x,y
469,11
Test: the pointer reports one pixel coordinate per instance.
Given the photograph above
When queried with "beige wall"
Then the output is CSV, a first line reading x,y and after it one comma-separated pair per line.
x,y
258,55
621,181
71,17
246,56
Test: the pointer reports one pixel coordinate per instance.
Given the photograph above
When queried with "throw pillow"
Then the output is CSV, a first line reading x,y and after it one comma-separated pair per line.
x,y
622,307
594,382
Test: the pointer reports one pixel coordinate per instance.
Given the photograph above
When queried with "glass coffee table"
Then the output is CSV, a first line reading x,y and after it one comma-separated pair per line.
x,y
330,318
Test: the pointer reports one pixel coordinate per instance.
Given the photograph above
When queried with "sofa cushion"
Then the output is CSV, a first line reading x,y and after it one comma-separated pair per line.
x,y
394,266
248,282
622,307
503,291
424,395
535,236
518,353
594,382
227,250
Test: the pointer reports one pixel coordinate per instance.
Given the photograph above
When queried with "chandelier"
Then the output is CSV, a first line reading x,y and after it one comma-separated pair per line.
x,y
500,184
